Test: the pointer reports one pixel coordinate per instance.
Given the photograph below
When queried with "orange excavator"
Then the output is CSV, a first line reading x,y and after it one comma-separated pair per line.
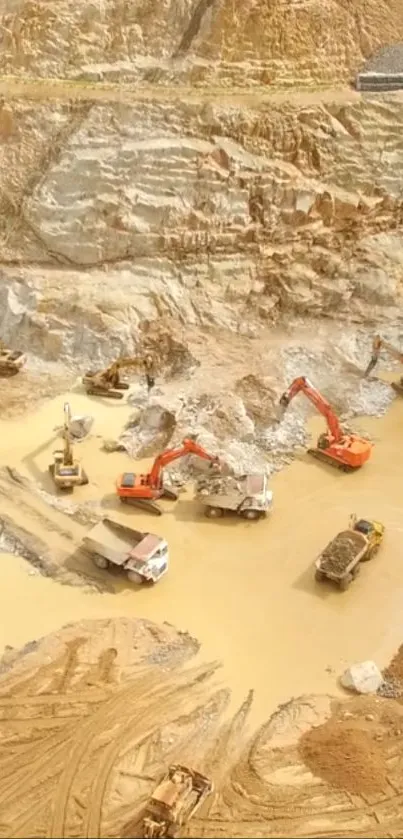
x,y
379,344
345,451
144,490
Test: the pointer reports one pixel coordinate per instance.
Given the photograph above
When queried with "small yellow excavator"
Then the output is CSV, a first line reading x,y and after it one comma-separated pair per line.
x,y
108,382
379,344
11,361
66,472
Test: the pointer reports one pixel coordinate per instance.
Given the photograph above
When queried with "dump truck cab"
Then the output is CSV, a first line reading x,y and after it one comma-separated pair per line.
x,y
370,528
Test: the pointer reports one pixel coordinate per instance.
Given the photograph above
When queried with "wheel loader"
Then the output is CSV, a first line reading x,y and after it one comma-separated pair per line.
x,y
66,472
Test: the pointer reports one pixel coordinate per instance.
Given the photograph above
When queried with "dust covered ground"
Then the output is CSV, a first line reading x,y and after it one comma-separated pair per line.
x,y
91,716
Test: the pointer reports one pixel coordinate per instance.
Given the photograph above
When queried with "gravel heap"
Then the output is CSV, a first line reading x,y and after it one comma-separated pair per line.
x,y
390,689
345,757
340,552
387,60
219,485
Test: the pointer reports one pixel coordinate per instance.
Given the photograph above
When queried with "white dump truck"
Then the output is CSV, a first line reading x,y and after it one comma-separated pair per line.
x,y
248,495
143,556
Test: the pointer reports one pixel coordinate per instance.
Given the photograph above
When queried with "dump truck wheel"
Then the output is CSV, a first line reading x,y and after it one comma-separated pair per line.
x,y
370,553
355,572
213,512
319,576
250,514
100,561
84,479
136,578
345,582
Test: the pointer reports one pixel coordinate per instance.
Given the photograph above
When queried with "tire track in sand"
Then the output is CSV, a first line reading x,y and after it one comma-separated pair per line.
x,y
148,718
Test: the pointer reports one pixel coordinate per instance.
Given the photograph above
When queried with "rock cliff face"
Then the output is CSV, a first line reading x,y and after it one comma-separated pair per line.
x,y
205,200
211,215
206,42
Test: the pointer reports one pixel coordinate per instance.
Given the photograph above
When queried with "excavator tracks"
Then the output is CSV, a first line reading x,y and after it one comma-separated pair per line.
x,y
109,394
324,458
143,504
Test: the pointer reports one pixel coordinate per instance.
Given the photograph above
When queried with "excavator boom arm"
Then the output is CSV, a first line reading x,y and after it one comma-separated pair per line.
x,y
378,345
302,384
67,450
168,456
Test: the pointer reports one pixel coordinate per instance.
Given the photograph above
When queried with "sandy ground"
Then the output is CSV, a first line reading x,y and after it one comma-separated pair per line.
x,y
89,724
238,587
244,590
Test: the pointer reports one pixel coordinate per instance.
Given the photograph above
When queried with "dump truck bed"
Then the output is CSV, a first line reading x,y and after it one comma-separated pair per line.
x,y
121,545
228,492
342,554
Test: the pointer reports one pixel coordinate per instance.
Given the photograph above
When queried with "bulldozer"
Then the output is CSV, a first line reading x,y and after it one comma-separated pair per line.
x,y
11,361
66,472
175,800
379,344
108,382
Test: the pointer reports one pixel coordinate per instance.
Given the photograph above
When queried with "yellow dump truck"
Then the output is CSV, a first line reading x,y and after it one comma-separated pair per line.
x,y
340,560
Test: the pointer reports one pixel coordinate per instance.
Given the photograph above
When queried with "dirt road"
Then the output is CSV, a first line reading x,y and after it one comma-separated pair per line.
x,y
59,89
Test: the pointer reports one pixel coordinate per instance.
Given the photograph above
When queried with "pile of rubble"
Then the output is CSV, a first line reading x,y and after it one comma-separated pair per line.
x,y
219,485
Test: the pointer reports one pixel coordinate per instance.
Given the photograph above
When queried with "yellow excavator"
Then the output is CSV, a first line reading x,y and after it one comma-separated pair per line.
x,y
11,361
378,345
66,472
108,382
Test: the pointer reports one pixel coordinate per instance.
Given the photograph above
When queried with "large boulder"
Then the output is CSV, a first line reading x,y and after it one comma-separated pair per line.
x,y
364,677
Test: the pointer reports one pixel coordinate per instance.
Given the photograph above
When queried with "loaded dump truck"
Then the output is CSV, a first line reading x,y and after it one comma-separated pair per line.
x,y
247,495
175,800
340,560
143,556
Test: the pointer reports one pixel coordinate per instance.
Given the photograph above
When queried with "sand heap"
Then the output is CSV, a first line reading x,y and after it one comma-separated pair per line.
x,y
346,757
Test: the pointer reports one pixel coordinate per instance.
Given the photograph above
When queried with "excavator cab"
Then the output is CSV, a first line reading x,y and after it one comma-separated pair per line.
x,y
373,531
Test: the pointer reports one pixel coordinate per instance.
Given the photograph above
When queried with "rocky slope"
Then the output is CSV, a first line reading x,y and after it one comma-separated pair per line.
x,y
203,41
195,223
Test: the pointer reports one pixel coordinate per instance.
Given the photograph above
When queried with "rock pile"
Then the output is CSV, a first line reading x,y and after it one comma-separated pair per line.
x,y
340,552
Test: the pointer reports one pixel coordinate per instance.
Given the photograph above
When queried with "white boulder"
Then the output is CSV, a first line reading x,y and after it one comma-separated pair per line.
x,y
364,677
